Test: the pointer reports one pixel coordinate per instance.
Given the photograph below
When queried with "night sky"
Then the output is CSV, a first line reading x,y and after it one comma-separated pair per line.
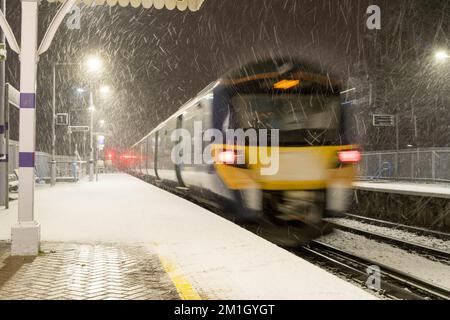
x,y
156,60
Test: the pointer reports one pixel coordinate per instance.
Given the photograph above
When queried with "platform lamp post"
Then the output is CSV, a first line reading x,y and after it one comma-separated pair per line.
x,y
53,161
94,66
91,136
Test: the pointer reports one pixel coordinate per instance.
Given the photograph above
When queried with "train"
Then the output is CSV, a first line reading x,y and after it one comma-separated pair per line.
x,y
279,110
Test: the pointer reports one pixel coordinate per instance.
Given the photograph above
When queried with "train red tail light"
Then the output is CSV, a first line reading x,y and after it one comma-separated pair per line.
x,y
349,156
227,157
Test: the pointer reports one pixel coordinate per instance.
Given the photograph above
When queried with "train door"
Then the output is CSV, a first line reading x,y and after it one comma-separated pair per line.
x,y
141,158
146,158
166,170
179,167
156,150
151,155
194,173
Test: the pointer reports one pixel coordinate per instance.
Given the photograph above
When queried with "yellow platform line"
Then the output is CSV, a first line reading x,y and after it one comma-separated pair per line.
x,y
185,289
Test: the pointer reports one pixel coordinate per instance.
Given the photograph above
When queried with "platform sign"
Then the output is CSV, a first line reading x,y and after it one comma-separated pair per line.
x,y
3,52
383,120
79,128
62,119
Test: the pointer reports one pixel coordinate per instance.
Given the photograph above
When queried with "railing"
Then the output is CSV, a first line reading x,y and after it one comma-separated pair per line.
x,y
66,167
426,165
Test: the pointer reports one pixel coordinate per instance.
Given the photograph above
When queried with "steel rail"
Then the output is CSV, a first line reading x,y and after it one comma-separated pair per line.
x,y
400,285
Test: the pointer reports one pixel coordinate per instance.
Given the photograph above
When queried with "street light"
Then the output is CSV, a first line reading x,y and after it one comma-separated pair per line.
x,y
94,64
91,135
80,90
94,67
441,56
104,90
53,160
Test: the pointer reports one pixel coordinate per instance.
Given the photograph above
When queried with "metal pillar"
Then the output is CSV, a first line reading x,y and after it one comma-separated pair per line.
x,y
53,161
397,146
25,235
96,160
91,136
84,145
4,183
70,142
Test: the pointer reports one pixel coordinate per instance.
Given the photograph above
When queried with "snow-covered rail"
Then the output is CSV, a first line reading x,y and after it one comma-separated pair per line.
x,y
403,244
387,224
395,283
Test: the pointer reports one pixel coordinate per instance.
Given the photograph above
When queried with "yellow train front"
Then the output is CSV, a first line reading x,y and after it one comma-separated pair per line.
x,y
265,142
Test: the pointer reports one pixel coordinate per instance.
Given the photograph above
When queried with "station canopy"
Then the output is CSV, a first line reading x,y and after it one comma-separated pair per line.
x,y
182,5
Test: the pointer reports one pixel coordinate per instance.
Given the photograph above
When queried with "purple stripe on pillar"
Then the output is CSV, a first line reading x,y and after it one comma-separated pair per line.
x,y
26,159
2,129
28,100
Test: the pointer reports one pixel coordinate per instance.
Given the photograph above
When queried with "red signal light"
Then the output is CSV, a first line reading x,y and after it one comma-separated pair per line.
x,y
128,156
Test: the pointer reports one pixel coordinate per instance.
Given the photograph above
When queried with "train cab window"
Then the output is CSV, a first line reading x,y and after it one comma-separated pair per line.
x,y
301,119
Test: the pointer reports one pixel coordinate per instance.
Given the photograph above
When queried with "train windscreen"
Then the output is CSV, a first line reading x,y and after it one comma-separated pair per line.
x,y
312,119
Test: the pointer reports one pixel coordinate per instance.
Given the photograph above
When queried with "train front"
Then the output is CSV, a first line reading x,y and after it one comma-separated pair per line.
x,y
286,155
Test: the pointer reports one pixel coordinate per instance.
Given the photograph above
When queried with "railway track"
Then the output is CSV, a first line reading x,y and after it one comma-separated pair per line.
x,y
399,226
410,246
394,283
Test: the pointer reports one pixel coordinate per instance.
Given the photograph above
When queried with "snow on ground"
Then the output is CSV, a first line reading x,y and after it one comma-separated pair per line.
x,y
415,189
221,259
421,267
397,234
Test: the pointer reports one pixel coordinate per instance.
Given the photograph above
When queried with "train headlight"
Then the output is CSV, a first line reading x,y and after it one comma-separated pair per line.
x,y
227,157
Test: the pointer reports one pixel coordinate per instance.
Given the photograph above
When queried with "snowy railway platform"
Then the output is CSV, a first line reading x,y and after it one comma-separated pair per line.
x,y
436,190
121,238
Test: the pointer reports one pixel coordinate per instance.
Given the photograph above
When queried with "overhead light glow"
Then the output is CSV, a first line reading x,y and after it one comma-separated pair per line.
x,y
94,64
104,90
441,56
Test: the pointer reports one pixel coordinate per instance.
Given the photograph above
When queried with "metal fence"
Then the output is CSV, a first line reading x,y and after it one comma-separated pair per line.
x,y
66,169
431,165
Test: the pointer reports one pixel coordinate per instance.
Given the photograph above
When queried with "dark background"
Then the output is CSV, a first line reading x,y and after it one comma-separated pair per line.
x,y
155,60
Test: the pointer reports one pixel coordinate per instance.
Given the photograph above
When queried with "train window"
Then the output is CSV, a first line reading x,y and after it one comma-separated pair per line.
x,y
301,119
286,112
